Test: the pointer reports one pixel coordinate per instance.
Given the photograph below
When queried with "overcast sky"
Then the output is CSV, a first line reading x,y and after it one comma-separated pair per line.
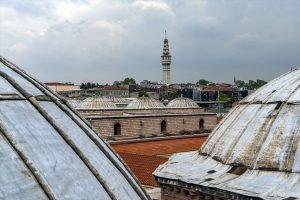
x,y
106,40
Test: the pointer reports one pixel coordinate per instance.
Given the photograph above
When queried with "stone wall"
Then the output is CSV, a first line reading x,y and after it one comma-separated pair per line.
x,y
134,126
121,111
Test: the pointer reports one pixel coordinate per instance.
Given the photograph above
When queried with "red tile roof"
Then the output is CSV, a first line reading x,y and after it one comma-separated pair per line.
x,y
143,166
145,155
221,87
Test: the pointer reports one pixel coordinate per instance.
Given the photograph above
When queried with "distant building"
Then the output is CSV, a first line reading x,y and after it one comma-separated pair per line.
x,y
107,91
166,62
150,84
62,87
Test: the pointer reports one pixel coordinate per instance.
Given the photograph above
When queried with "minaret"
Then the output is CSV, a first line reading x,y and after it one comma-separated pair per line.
x,y
166,61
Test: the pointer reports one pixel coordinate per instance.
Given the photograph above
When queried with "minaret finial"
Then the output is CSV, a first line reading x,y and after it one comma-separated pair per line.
x,y
165,33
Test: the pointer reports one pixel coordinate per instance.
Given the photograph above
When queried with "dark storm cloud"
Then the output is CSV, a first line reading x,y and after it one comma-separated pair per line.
x,y
101,40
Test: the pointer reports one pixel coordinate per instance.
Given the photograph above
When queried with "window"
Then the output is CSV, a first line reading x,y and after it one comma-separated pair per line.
x,y
117,129
163,126
201,124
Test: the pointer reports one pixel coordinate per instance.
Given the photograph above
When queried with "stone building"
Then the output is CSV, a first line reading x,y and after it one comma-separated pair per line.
x,y
48,151
254,153
146,117
106,91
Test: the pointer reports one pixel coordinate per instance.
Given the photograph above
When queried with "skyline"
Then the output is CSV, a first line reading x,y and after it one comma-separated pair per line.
x,y
103,41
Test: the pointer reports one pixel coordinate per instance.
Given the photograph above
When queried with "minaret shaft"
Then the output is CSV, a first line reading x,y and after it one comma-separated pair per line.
x,y
166,62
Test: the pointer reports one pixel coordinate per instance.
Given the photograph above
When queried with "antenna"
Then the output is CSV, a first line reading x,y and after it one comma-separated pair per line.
x,y
165,33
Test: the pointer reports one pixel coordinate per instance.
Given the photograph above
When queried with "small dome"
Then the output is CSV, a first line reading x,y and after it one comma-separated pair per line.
x,y
182,103
97,103
145,103
74,102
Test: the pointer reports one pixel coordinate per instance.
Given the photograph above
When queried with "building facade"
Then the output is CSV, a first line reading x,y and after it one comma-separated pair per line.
x,y
147,117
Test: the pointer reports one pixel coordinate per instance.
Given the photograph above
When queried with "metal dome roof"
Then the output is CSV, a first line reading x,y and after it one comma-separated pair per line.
x,y
261,135
182,102
97,103
48,151
145,103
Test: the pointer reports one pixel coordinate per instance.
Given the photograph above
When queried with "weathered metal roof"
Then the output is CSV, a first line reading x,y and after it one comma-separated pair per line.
x,y
259,138
97,103
145,103
48,151
182,102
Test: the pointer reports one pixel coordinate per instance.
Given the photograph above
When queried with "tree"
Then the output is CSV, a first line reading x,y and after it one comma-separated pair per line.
x,y
89,85
260,83
222,97
143,93
203,82
251,85
129,81
117,83
240,84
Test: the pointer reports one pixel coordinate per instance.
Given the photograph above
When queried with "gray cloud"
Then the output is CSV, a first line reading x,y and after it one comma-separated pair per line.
x,y
106,40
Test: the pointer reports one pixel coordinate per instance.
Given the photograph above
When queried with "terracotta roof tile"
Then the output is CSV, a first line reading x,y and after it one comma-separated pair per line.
x,y
144,156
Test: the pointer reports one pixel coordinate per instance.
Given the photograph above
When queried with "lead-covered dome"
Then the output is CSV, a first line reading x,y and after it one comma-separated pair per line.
x,y
48,151
263,130
97,103
254,151
145,103
182,102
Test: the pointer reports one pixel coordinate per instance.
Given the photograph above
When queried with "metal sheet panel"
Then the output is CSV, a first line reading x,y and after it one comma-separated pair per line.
x,y
16,181
192,168
29,87
6,88
107,149
232,133
277,149
121,188
249,143
278,89
57,163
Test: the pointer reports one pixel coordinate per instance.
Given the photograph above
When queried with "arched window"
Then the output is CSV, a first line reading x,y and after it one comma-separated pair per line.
x,y
117,129
163,126
201,124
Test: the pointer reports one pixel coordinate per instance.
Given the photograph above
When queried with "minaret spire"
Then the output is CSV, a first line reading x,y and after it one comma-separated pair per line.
x,y
166,61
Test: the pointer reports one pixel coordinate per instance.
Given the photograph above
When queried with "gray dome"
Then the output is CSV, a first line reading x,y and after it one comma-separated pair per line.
x,y
47,151
97,103
74,102
182,103
255,149
145,103
262,131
